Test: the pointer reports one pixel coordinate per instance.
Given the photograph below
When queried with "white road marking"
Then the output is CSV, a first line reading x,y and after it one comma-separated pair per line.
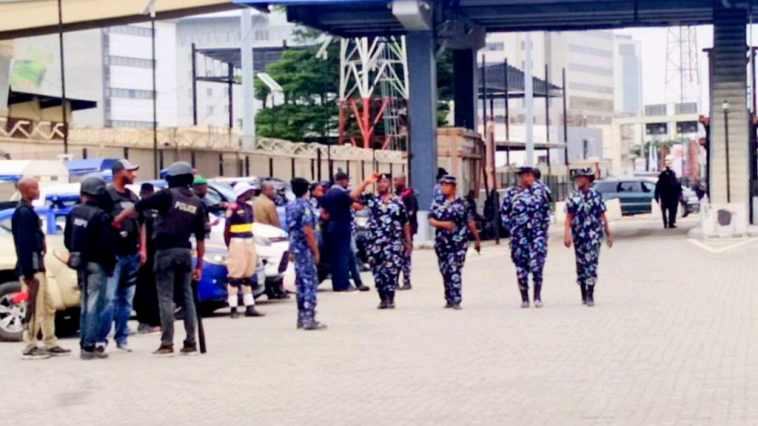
x,y
706,247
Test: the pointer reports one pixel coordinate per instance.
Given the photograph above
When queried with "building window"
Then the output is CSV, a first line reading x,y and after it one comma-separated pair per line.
x,y
261,35
124,61
131,30
590,51
590,104
130,93
209,91
591,70
590,88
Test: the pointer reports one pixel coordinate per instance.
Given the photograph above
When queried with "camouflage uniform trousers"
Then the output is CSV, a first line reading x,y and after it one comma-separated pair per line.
x,y
529,252
451,261
406,267
386,274
587,257
306,282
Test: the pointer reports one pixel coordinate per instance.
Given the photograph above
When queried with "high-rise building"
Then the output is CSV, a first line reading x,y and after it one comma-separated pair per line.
x,y
588,58
272,34
112,66
628,74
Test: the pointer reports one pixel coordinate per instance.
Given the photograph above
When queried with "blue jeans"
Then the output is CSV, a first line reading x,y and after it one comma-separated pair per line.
x,y
93,283
119,296
355,272
338,242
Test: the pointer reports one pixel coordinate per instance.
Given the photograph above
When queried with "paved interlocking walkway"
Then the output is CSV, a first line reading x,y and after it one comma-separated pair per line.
x,y
670,342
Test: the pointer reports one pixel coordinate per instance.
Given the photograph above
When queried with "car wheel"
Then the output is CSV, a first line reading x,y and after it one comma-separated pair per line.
x,y
11,314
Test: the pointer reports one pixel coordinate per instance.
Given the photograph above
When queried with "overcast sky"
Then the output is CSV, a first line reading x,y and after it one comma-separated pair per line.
x,y
654,61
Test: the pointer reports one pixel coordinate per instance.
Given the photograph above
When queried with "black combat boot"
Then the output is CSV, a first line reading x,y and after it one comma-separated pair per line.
x,y
590,295
234,314
524,298
583,288
537,296
391,300
250,311
385,303
300,320
312,324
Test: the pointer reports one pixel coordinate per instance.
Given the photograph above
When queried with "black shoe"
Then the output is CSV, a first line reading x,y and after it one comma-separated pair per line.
x,y
672,226
251,312
313,325
406,287
87,355
391,300
234,314
58,351
35,353
362,287
165,350
538,296
384,304
583,288
457,306
525,298
189,349
346,290
591,295
448,305
300,322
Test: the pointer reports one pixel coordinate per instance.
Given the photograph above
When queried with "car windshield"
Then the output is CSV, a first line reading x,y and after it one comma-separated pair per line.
x,y
605,187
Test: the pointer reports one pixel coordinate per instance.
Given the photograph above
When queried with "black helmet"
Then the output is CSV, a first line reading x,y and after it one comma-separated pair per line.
x,y
179,168
93,185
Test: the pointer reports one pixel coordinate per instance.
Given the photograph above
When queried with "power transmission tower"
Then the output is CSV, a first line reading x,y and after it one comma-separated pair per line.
x,y
682,72
373,92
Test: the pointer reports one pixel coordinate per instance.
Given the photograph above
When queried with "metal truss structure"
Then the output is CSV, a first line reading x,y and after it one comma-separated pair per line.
x,y
682,72
373,95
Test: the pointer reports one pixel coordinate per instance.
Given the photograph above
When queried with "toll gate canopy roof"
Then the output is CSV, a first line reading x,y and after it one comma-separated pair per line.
x,y
374,17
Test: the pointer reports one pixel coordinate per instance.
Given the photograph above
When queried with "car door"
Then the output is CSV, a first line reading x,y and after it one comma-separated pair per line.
x,y
635,198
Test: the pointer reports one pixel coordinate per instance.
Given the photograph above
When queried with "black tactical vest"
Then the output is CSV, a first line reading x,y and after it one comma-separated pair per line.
x,y
176,224
81,216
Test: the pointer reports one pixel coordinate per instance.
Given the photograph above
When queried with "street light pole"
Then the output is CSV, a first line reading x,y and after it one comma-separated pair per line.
x,y
725,107
63,78
155,99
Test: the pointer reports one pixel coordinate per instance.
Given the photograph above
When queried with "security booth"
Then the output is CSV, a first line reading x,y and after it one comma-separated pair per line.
x,y
462,153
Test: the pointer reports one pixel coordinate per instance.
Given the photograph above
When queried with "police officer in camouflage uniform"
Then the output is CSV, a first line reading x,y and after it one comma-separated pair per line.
x,y
181,214
526,215
389,236
301,222
450,215
585,223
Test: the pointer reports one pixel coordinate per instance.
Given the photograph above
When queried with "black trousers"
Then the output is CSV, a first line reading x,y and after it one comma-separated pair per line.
x,y
668,210
146,295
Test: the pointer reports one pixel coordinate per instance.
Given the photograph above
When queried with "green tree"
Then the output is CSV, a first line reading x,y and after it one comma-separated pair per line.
x,y
309,85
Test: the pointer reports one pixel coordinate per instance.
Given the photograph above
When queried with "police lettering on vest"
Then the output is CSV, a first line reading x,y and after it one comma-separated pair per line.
x,y
176,224
81,215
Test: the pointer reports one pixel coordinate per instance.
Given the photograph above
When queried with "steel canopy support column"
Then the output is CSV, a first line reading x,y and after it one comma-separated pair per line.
x,y
465,88
248,80
729,164
422,74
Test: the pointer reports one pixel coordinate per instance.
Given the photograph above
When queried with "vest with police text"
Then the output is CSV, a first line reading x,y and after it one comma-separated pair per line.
x,y
177,222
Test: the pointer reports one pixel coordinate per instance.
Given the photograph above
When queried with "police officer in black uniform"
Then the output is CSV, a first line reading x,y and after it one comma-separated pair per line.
x,y
181,214
91,242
